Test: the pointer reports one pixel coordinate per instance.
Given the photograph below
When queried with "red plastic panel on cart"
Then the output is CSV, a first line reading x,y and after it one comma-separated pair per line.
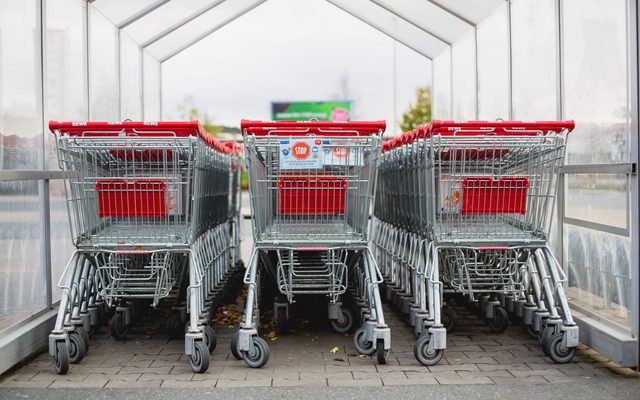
x,y
484,195
311,195
140,198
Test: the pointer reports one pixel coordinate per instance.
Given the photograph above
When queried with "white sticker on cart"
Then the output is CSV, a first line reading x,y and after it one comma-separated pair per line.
x,y
301,154
341,152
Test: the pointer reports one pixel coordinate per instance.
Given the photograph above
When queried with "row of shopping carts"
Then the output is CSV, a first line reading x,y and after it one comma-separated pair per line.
x,y
154,215
463,210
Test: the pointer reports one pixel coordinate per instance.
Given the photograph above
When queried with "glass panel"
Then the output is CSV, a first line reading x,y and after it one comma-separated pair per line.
x,y
598,198
130,78
596,80
103,68
164,17
493,66
534,59
119,10
151,76
22,289
430,17
20,121
61,242
464,79
442,85
65,68
217,17
473,10
599,267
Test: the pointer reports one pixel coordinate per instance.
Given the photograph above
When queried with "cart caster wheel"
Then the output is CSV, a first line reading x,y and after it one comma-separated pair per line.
x,y
529,330
282,321
544,337
362,345
210,338
557,352
175,327
119,329
93,329
258,356
347,321
423,354
234,347
77,348
381,352
84,335
199,360
500,320
448,318
62,358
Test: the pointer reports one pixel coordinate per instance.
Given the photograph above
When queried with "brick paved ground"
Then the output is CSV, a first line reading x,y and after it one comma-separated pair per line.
x,y
303,358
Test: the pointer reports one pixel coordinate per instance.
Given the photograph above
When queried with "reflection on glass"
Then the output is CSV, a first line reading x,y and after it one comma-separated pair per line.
x,y
599,273
151,76
464,78
596,80
597,198
493,66
534,59
20,130
103,69
131,81
442,85
22,289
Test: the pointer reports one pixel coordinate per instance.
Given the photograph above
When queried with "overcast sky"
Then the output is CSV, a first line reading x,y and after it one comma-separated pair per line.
x,y
281,51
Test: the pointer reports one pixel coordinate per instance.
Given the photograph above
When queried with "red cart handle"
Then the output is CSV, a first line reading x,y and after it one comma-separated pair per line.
x,y
146,128
327,128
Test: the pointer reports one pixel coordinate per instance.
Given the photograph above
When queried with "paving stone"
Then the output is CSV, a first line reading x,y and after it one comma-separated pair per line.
x,y
354,382
459,367
94,383
189,384
136,370
119,377
519,380
116,383
317,382
25,384
509,367
243,383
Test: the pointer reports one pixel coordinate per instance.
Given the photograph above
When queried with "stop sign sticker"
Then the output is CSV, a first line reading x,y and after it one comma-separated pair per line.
x,y
301,154
300,150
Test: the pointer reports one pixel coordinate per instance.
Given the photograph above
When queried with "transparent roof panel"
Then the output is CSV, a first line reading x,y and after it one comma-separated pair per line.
x,y
397,28
171,15
200,27
429,17
118,11
471,10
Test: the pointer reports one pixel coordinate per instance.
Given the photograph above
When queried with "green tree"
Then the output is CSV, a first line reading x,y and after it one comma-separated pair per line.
x,y
418,113
189,111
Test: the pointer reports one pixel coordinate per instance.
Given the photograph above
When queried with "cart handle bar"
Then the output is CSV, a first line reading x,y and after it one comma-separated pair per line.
x,y
327,128
131,128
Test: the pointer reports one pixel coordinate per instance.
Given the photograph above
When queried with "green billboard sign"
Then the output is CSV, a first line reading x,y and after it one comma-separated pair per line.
x,y
306,110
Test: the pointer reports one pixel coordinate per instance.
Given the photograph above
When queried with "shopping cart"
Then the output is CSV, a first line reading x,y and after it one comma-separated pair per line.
x,y
476,201
311,184
149,209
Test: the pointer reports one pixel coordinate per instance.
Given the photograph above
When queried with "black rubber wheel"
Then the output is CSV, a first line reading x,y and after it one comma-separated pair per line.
x,y
77,348
234,346
529,330
119,329
175,326
500,320
259,355
62,358
381,352
558,353
347,321
210,338
449,318
199,360
282,321
423,354
544,337
362,345
84,335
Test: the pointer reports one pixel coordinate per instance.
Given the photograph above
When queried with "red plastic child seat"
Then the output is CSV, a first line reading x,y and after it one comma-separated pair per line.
x,y
484,195
302,195
138,198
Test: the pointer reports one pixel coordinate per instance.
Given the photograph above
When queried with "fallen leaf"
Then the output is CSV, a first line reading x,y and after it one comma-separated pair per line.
x,y
334,350
338,359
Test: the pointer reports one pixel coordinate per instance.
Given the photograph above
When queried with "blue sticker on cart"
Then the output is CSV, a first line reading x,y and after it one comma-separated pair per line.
x,y
284,142
326,142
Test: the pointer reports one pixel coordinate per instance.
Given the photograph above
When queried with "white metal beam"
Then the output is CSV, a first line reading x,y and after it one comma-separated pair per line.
x,y
407,20
134,17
